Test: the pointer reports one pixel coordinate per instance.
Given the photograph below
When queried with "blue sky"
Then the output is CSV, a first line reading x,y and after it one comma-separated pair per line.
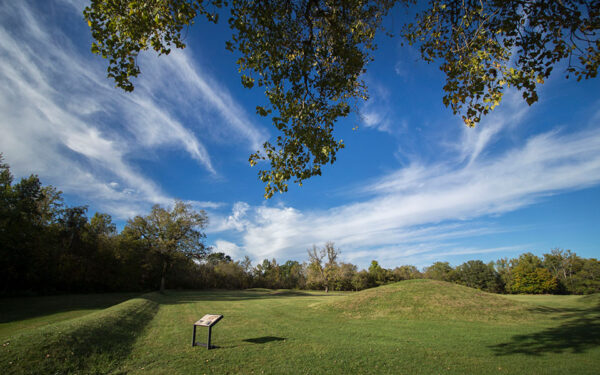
x,y
413,185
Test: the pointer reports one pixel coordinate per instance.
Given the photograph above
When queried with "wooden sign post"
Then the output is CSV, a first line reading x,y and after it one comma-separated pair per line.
x,y
208,320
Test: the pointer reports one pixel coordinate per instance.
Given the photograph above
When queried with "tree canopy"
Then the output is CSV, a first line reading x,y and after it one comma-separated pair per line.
x,y
309,55
486,46
171,234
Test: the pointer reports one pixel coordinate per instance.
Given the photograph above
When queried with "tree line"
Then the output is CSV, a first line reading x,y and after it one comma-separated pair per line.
x,y
557,272
49,247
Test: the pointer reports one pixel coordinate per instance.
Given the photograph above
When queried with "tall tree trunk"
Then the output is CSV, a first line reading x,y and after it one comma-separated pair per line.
x,y
162,277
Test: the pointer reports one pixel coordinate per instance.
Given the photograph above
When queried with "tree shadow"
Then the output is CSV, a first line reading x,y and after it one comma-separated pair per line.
x,y
264,339
21,308
112,340
93,344
577,332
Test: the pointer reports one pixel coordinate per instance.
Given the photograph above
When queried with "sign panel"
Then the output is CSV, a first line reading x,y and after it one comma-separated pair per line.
x,y
208,320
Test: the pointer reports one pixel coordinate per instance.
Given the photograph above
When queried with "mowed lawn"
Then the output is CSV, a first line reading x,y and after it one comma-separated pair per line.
x,y
412,327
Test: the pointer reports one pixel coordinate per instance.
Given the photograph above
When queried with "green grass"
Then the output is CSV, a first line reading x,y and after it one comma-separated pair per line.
x,y
26,313
413,327
431,300
91,344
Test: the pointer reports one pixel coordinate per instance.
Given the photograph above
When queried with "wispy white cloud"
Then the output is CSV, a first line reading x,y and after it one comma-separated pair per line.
x,y
229,248
152,126
377,112
474,141
198,92
237,221
40,131
417,213
78,5
62,119
424,254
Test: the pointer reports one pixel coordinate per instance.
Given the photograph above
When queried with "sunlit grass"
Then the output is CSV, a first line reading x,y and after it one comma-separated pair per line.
x,y
419,327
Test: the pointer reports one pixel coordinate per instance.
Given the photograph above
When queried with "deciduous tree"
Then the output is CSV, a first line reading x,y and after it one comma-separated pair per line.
x,y
587,279
406,272
476,274
379,275
529,276
321,273
440,271
308,57
172,233
563,264
485,46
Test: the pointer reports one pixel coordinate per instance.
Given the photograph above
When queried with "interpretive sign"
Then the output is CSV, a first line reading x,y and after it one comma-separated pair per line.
x,y
208,320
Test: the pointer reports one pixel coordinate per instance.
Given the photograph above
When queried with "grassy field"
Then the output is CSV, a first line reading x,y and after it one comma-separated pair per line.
x,y
19,314
412,327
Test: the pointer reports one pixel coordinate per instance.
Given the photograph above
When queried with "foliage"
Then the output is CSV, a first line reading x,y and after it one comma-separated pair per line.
x,y
587,279
31,219
439,271
102,225
538,281
292,273
230,275
478,275
171,234
216,258
121,29
530,277
504,267
487,46
563,265
308,56
560,272
268,273
47,247
379,275
360,280
323,274
407,272
344,276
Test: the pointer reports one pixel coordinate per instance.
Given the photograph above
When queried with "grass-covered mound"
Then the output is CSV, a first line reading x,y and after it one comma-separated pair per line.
x,y
92,344
433,300
591,299
21,314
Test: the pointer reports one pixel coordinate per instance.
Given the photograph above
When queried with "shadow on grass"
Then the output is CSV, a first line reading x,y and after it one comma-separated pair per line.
x,y
93,344
21,308
264,339
577,332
